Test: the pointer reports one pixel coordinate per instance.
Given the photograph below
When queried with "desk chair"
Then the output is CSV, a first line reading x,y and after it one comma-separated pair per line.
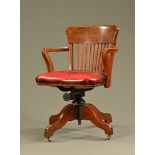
x,y
91,52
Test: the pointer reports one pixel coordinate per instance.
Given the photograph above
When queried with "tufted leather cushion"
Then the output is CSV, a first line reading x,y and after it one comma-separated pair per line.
x,y
71,78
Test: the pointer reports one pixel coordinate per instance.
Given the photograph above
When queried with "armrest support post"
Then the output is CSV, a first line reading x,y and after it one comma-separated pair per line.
x,y
108,56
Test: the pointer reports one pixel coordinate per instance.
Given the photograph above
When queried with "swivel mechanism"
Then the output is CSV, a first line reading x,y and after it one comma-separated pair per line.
x,y
77,101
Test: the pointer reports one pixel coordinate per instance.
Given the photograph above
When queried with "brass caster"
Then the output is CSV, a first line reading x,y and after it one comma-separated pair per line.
x,y
49,140
108,137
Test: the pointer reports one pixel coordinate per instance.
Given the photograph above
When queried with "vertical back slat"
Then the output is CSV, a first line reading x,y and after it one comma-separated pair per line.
x,y
88,56
106,45
98,57
71,57
101,68
84,55
93,56
81,56
77,56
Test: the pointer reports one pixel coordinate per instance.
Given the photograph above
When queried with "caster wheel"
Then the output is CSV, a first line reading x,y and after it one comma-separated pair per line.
x,y
49,140
108,137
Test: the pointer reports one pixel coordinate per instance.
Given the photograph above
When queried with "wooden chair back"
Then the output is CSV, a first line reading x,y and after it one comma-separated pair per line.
x,y
86,45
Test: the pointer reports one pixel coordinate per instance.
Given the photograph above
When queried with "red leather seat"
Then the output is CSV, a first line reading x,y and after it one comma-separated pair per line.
x,y
69,78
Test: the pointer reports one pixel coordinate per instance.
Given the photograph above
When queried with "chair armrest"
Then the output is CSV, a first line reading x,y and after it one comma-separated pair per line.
x,y
47,58
110,50
108,56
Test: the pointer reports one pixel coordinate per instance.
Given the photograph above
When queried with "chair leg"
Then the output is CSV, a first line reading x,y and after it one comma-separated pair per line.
x,y
107,117
90,112
59,120
54,118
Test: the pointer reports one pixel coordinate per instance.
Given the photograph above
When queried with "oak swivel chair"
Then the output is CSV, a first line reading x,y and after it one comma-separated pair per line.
x,y
91,51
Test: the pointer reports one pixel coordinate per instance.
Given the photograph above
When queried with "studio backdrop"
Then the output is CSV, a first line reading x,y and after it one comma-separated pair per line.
x,y
43,24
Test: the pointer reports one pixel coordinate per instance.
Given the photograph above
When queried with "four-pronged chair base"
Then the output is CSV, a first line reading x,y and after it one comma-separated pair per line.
x,y
88,112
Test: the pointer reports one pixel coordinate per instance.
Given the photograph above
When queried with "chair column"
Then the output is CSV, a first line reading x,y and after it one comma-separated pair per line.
x,y
77,101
